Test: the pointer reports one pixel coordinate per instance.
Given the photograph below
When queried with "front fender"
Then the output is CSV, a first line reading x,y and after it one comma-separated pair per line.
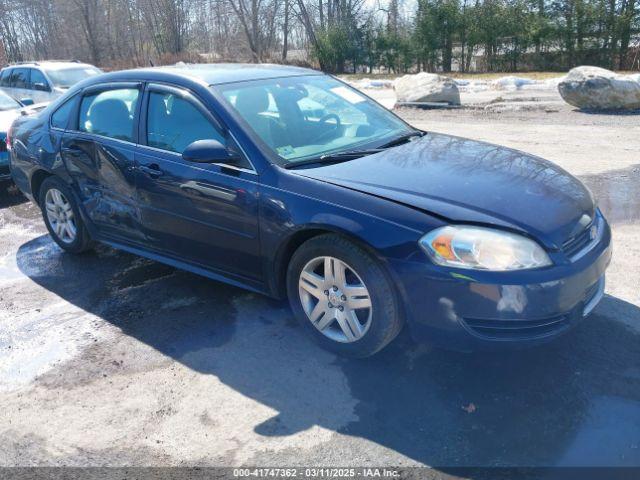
x,y
288,218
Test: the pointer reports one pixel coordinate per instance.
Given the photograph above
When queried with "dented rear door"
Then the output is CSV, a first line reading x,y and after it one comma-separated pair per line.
x,y
102,167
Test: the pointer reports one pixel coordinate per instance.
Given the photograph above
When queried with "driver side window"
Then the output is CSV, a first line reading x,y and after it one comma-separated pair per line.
x,y
174,123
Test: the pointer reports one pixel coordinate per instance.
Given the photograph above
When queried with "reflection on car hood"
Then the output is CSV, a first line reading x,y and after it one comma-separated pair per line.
x,y
469,181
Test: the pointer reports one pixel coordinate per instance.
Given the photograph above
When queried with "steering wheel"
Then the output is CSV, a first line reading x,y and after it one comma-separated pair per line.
x,y
324,119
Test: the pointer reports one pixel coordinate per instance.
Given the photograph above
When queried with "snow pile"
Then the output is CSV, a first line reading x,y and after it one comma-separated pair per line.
x,y
553,82
506,83
367,83
512,83
472,86
634,76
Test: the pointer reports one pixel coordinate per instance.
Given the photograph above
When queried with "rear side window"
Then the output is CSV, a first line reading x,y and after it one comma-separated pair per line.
x,y
38,81
20,78
109,113
60,118
4,77
173,123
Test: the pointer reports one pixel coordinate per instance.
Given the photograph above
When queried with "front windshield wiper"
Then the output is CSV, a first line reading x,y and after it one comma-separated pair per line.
x,y
336,157
353,154
404,138
349,154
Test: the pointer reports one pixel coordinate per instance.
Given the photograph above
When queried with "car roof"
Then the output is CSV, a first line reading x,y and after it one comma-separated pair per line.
x,y
219,73
50,65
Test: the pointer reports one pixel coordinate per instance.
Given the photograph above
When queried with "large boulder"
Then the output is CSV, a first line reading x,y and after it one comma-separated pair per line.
x,y
427,87
600,89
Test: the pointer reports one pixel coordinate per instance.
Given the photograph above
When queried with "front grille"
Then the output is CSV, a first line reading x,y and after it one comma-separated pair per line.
x,y
574,245
517,329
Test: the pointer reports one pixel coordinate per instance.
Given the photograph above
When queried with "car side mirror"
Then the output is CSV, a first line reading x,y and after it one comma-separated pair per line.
x,y
26,101
40,87
209,151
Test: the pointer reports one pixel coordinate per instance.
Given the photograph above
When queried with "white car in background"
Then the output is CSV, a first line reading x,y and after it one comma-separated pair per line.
x,y
38,82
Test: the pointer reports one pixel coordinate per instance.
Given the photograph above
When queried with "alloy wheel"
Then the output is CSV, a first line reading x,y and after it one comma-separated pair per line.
x,y
335,299
60,215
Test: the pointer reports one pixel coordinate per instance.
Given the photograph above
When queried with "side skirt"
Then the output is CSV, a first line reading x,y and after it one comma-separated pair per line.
x,y
186,266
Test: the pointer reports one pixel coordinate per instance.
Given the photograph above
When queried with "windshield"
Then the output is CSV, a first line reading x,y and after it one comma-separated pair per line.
x,y
67,77
7,103
306,117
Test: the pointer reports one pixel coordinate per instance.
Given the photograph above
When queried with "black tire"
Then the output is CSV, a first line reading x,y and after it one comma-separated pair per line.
x,y
386,317
82,241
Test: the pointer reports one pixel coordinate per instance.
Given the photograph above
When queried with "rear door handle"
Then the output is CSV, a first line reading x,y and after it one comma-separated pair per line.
x,y
153,170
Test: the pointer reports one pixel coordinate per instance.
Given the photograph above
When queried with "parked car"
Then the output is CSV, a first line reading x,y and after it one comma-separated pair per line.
x,y
10,109
362,221
43,81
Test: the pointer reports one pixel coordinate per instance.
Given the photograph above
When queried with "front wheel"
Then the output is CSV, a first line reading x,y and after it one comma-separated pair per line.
x,y
342,296
62,217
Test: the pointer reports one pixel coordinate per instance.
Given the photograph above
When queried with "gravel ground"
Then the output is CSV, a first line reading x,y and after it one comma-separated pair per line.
x,y
109,359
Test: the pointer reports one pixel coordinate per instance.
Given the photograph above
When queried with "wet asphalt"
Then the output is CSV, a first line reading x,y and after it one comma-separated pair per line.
x,y
110,359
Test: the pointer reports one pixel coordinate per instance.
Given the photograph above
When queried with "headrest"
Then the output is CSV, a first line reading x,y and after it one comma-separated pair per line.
x,y
251,101
110,116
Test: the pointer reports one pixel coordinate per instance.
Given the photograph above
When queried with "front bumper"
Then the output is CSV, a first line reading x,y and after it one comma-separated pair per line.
x,y
472,310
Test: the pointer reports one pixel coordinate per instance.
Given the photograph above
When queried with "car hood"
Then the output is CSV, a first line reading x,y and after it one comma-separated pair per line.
x,y
464,180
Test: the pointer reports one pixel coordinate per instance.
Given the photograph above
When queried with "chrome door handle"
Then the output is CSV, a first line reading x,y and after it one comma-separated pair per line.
x,y
153,170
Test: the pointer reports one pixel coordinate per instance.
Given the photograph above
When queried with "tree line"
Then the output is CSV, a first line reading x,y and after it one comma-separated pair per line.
x,y
339,36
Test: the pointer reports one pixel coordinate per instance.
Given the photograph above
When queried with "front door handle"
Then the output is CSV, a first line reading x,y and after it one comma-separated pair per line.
x,y
153,170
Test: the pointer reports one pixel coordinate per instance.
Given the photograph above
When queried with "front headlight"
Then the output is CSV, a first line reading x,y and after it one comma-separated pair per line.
x,y
481,248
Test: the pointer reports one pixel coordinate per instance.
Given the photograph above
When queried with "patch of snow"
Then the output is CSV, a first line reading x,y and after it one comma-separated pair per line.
x,y
512,83
553,82
34,342
367,83
472,86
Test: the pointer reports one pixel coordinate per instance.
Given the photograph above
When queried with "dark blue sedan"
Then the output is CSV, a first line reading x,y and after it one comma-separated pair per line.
x,y
288,182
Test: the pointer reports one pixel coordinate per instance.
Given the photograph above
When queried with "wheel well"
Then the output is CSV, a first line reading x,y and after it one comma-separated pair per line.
x,y
293,243
285,254
36,182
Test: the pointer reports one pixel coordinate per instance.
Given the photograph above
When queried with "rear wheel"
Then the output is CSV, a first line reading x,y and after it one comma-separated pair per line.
x,y
62,217
342,296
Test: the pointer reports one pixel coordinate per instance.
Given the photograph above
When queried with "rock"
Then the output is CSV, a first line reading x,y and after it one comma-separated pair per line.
x,y
427,87
600,89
